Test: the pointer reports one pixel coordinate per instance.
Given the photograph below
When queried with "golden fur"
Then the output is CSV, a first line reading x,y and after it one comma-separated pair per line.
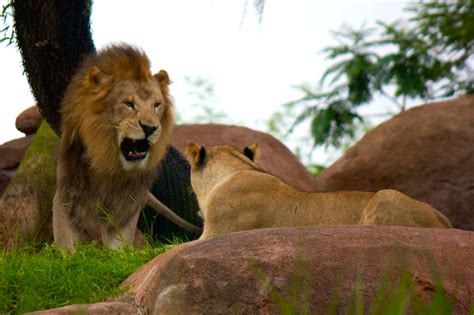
x,y
117,120
234,194
104,81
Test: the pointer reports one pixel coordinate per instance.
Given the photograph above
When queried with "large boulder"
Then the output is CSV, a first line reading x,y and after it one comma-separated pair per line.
x,y
29,120
426,152
26,203
274,156
11,153
312,269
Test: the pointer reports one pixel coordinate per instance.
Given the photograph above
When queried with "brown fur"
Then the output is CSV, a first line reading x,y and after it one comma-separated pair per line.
x,y
96,185
234,194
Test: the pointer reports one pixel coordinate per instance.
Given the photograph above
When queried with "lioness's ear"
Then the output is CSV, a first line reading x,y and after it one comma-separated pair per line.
x,y
250,151
196,154
95,78
163,78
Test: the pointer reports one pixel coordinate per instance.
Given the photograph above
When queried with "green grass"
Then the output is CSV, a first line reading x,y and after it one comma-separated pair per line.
x,y
32,279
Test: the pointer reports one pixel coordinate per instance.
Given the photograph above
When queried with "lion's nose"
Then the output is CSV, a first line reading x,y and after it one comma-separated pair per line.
x,y
148,130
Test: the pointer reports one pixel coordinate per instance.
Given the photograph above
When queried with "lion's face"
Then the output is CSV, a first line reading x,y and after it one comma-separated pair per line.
x,y
118,113
124,124
136,118
137,108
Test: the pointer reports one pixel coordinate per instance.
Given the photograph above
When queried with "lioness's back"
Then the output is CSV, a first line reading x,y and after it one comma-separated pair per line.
x,y
235,194
259,191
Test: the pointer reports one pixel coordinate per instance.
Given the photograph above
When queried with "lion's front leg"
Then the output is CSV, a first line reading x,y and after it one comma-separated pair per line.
x,y
66,232
119,236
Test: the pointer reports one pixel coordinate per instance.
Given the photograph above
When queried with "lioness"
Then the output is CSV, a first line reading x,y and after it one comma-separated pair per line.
x,y
117,120
234,194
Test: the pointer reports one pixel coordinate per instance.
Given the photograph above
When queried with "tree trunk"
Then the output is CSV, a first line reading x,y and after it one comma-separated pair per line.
x,y
53,36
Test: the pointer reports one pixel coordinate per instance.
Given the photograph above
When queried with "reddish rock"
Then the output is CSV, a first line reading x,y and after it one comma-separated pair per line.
x,y
12,151
29,120
274,156
110,308
426,152
314,268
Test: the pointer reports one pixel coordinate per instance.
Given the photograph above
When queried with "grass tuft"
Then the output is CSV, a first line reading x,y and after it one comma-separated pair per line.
x,y
32,279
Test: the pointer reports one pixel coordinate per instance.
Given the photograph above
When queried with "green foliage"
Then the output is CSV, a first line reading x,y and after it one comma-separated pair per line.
x,y
425,57
7,33
448,28
315,169
35,280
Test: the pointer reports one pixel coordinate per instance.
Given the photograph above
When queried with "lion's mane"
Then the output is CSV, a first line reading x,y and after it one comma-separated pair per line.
x,y
85,105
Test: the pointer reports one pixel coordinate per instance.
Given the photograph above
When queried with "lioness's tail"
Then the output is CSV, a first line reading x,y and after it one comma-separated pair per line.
x,y
170,215
443,219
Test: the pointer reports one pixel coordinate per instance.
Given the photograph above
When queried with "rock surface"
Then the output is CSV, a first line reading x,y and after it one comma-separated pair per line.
x,y
12,151
274,157
269,270
26,203
92,309
426,152
29,120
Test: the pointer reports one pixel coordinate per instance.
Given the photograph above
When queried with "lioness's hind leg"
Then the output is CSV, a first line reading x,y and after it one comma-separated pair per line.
x,y
391,207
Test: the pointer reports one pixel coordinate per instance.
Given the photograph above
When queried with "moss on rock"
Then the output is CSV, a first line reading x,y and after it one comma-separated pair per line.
x,y
26,203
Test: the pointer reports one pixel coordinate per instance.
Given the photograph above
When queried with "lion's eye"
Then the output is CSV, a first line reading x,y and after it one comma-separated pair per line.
x,y
129,104
156,105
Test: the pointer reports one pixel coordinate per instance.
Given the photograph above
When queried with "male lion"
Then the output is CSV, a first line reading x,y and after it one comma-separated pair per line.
x,y
117,120
235,194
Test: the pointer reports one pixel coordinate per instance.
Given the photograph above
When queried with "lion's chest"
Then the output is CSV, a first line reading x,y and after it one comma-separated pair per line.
x,y
116,205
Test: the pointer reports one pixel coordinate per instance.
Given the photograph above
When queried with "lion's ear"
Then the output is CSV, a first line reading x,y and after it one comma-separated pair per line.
x,y
251,151
163,78
196,154
95,77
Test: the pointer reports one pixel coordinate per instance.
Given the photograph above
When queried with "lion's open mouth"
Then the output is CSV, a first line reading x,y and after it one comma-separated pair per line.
x,y
134,150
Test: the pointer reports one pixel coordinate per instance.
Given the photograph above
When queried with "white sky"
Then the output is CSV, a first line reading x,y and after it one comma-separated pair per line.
x,y
254,67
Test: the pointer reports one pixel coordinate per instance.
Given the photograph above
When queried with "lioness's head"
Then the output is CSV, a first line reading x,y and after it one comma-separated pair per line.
x,y
210,164
119,111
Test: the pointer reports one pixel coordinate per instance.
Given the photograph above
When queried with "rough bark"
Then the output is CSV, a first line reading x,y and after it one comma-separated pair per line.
x,y
53,36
